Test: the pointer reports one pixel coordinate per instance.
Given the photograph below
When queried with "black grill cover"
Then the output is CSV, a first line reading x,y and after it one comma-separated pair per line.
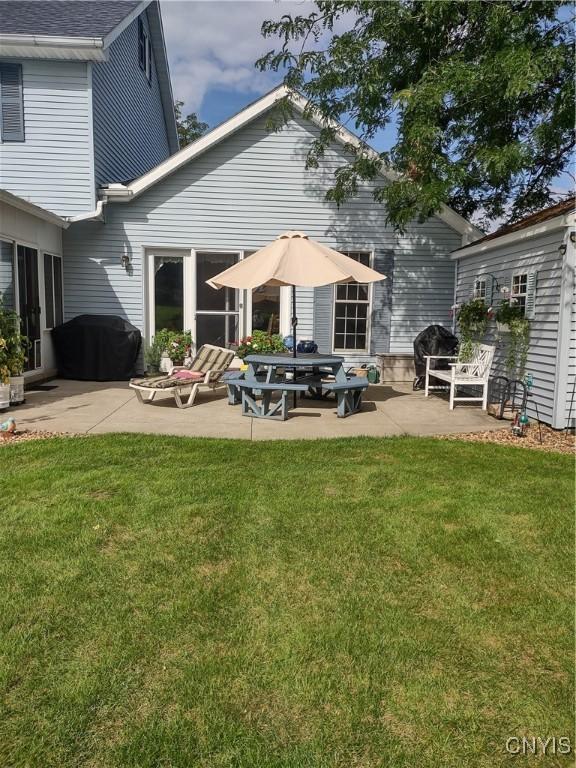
x,y
434,340
97,348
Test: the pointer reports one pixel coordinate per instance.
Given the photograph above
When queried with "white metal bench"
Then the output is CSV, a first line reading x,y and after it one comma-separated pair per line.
x,y
473,373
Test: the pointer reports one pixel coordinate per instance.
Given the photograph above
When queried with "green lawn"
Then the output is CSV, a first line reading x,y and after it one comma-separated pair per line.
x,y
170,603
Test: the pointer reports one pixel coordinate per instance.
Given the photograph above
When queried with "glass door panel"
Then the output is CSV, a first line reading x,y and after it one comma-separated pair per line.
x,y
266,309
217,311
221,330
29,302
169,292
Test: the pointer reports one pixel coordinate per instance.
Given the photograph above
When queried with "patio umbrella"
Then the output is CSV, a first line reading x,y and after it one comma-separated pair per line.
x,y
295,260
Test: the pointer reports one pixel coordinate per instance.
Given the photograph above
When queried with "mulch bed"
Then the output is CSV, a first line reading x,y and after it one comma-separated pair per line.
x,y
23,435
552,439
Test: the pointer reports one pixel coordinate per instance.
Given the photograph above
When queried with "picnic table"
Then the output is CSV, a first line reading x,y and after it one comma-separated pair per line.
x,y
266,374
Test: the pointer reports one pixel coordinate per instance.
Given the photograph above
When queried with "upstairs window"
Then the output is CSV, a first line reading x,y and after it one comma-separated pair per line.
x,y
11,103
144,50
352,311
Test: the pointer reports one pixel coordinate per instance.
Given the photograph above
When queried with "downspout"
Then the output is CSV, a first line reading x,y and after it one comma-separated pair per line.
x,y
95,215
564,320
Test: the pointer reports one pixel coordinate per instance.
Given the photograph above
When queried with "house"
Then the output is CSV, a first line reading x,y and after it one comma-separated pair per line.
x,y
535,260
85,100
89,137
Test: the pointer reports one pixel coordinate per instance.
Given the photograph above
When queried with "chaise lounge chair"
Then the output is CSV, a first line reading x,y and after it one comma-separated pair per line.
x,y
184,382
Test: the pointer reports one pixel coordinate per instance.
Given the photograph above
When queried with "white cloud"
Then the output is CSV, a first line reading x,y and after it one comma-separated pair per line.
x,y
214,44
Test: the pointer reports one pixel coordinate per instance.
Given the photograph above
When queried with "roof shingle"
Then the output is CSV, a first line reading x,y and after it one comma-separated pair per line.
x,y
65,18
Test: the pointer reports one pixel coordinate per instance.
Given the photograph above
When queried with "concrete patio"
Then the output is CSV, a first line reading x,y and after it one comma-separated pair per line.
x,y
93,407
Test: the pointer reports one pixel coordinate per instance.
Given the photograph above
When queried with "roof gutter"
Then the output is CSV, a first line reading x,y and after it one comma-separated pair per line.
x,y
54,46
518,236
34,210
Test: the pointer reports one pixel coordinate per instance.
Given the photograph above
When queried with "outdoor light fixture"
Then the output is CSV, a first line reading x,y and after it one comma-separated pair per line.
x,y
125,261
562,249
573,237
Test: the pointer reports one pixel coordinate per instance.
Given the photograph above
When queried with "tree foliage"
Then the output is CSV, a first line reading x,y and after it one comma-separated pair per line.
x,y
190,127
481,94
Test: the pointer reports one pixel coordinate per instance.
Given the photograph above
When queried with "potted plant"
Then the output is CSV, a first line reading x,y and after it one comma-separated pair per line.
x,y
4,376
261,343
473,317
153,356
14,353
507,311
173,347
511,320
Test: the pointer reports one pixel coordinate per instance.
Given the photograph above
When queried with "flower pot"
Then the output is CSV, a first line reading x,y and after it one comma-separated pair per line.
x,y
165,364
152,370
4,396
502,327
16,390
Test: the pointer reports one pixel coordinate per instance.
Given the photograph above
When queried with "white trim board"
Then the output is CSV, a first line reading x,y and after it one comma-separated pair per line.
x,y
32,209
127,192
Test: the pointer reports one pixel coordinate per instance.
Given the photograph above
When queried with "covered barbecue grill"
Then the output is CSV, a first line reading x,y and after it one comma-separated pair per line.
x,y
97,348
434,340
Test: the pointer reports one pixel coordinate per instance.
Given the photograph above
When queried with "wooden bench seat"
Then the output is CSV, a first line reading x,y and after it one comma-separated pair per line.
x,y
267,408
348,394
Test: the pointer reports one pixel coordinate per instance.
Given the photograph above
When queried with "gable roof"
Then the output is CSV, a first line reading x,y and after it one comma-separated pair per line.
x,y
546,220
66,18
127,192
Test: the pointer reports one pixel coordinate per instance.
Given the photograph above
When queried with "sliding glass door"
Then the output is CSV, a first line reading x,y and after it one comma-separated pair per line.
x,y
179,298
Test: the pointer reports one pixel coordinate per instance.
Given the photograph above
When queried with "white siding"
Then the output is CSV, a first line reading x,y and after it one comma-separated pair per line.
x,y
539,254
52,167
571,388
240,195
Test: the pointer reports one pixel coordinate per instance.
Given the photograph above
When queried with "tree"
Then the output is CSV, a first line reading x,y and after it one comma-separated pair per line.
x,y
481,94
190,127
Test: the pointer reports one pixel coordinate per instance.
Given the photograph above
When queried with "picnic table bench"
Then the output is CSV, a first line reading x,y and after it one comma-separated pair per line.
x,y
240,389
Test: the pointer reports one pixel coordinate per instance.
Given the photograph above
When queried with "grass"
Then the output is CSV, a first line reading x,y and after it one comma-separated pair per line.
x,y
176,603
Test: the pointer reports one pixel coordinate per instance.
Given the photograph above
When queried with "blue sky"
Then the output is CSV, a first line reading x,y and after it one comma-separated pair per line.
x,y
212,46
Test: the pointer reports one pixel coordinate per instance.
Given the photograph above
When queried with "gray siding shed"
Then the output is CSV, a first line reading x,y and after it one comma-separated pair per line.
x,y
537,254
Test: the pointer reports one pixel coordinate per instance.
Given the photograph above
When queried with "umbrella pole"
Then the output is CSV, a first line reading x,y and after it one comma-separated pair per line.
x,y
294,325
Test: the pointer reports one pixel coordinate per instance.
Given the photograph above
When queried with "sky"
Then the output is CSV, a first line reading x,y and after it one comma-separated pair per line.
x,y
212,47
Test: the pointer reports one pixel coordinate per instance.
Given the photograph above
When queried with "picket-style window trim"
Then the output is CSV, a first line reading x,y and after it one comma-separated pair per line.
x,y
144,51
337,303
53,290
11,103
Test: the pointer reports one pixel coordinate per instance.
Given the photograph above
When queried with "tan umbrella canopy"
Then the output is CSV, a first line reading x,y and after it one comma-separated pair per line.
x,y
293,259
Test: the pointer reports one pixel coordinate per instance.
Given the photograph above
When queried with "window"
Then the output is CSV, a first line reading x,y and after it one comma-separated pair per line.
x,y
144,58
11,103
53,290
519,290
479,288
352,311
